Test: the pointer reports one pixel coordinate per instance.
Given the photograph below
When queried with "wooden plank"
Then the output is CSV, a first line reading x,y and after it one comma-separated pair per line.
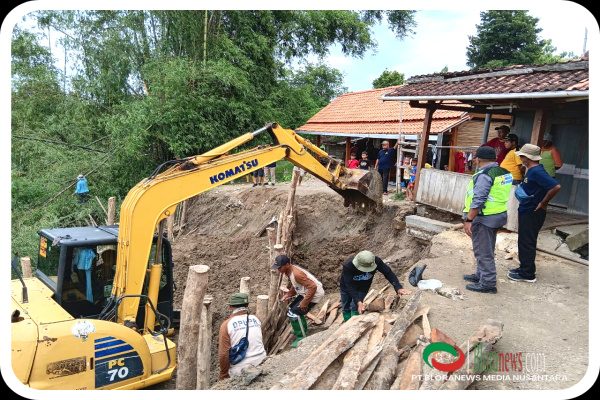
x,y
424,141
349,372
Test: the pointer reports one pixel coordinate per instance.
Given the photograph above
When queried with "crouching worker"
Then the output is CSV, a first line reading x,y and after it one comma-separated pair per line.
x,y
240,339
306,291
356,279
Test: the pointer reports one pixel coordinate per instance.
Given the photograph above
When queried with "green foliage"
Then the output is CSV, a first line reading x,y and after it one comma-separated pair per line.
x,y
388,78
507,38
146,87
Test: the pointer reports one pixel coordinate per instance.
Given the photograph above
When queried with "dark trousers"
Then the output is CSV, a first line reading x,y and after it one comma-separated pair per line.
x,y
385,176
484,245
530,224
295,305
347,302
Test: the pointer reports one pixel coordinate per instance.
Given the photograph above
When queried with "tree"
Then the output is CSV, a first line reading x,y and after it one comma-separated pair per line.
x,y
507,38
444,70
388,78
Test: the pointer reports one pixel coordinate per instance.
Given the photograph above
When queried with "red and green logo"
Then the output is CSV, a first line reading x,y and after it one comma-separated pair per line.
x,y
444,348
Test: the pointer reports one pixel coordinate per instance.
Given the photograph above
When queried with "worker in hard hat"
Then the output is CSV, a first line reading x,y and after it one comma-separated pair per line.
x,y
355,281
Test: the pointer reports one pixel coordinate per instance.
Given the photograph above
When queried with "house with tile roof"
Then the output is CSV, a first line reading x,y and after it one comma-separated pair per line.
x,y
551,100
361,120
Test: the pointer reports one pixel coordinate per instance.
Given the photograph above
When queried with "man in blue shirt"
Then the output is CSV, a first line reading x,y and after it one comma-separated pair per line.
x,y
81,189
386,158
539,188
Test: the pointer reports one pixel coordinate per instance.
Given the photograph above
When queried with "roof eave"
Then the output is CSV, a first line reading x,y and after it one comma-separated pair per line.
x,y
494,96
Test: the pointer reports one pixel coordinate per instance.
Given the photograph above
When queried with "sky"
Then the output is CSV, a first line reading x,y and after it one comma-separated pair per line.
x,y
441,39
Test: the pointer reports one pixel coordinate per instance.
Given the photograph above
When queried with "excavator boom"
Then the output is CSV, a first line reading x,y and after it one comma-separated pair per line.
x,y
156,197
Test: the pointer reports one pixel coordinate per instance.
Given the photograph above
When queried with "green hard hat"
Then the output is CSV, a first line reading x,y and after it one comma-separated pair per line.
x,y
365,261
238,299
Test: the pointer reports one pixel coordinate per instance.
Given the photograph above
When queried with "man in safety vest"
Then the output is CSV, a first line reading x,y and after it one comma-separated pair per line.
x,y
484,213
306,291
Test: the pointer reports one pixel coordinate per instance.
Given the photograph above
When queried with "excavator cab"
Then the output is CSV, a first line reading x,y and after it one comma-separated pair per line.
x,y
78,265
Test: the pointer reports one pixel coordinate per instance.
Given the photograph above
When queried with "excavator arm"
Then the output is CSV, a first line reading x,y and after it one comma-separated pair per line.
x,y
156,197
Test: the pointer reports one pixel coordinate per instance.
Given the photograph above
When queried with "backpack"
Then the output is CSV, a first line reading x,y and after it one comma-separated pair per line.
x,y
238,352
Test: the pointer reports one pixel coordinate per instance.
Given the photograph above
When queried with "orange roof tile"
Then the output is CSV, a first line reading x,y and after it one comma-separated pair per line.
x,y
364,112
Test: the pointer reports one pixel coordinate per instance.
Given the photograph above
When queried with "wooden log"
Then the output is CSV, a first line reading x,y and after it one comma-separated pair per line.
x,y
303,376
111,211
426,327
376,305
330,318
245,285
170,225
26,267
388,301
413,366
337,322
272,238
481,343
330,375
262,307
182,220
204,345
411,335
385,373
365,374
376,333
348,375
191,311
323,311
291,193
369,297
386,370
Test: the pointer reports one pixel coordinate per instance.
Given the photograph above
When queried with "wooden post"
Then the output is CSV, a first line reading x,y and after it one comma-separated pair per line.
x,y
453,138
262,307
204,345
112,210
273,275
539,124
245,285
170,224
183,213
26,267
191,310
423,145
318,141
348,147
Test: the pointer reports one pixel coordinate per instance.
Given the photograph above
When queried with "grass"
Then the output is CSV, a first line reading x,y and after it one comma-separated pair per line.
x,y
398,196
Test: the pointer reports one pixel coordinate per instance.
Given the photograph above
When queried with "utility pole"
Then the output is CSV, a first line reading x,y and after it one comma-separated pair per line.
x,y
585,42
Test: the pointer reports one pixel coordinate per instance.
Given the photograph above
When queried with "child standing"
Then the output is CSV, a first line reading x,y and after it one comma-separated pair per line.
x,y
352,162
411,181
364,161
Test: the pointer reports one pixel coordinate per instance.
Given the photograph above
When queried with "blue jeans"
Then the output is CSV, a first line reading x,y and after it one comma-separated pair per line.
x,y
347,302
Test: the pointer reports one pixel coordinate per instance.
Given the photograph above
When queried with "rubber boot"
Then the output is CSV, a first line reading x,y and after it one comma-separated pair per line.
x,y
355,312
297,331
346,315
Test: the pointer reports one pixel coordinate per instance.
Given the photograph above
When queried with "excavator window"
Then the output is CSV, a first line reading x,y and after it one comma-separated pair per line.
x,y
87,283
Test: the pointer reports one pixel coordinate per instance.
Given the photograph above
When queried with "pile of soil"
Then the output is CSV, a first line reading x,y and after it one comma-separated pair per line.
x,y
221,232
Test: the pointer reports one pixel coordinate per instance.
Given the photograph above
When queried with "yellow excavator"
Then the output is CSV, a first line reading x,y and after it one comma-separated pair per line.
x,y
98,311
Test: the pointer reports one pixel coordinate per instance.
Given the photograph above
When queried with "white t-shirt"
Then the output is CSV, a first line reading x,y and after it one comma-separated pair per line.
x,y
236,328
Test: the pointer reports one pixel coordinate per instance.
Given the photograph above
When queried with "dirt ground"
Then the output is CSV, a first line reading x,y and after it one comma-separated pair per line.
x,y
546,321
221,227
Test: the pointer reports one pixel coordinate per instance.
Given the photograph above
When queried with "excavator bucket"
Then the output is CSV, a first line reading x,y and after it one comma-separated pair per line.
x,y
363,189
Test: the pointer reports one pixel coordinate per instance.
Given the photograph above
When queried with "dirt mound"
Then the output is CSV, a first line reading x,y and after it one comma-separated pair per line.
x,y
221,227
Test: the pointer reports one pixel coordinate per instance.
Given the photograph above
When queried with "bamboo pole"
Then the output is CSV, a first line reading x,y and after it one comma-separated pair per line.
x,y
204,345
26,267
191,311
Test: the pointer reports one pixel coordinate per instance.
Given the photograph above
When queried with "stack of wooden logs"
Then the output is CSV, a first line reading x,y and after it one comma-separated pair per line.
x,y
275,326
384,350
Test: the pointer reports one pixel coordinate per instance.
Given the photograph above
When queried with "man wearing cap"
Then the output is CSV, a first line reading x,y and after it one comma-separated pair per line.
x,y
81,189
306,291
232,330
355,281
484,213
498,143
534,194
